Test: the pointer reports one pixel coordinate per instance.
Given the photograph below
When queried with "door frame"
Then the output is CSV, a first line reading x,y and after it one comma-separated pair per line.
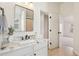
x,y
45,13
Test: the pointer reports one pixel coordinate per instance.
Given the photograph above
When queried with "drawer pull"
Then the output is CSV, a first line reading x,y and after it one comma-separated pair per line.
x,y
37,42
34,54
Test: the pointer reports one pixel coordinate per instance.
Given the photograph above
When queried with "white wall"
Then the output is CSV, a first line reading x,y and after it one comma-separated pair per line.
x,y
9,12
9,16
66,18
76,27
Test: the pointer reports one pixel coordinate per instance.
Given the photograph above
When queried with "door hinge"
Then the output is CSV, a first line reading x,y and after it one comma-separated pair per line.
x,y
50,30
50,43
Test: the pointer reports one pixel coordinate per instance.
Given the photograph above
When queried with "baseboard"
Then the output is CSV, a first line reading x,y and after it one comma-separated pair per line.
x,y
76,53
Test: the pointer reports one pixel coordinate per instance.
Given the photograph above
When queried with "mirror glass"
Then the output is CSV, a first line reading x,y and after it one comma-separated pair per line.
x,y
23,19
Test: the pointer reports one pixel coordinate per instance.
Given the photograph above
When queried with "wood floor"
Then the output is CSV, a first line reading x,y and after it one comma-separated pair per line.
x,y
61,52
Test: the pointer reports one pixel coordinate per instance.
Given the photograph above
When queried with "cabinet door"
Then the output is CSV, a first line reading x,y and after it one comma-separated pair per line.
x,y
39,45
41,52
38,53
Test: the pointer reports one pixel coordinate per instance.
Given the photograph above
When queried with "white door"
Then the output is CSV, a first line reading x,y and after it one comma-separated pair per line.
x,y
53,31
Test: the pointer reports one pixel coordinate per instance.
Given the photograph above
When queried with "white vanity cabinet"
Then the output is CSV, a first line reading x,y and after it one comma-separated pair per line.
x,y
40,48
36,48
41,52
23,51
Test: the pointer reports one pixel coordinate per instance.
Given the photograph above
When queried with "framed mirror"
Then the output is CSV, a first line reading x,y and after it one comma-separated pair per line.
x,y
23,20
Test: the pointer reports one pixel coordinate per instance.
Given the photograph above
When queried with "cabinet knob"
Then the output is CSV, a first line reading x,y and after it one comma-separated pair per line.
x,y
34,54
37,42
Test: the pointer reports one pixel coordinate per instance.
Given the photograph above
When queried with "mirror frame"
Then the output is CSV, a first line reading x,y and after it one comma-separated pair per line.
x,y
27,9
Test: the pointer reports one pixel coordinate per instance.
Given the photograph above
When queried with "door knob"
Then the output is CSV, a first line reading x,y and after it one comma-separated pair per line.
x,y
50,17
59,32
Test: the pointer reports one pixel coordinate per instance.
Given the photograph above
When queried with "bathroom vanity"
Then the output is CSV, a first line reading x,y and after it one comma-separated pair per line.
x,y
25,48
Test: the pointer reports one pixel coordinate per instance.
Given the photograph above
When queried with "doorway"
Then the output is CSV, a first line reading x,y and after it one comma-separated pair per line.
x,y
49,29
44,28
66,32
